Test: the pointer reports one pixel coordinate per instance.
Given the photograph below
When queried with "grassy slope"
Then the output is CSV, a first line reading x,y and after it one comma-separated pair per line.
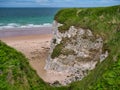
x,y
103,22
16,73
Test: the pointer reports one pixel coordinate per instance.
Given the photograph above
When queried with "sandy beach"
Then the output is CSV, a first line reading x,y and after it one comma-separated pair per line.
x,y
35,46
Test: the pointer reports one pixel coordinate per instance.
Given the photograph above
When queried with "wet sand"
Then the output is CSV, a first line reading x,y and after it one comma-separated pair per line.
x,y
12,32
36,48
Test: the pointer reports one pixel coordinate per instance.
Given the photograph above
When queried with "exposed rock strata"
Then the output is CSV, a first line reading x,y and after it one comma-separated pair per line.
x,y
80,53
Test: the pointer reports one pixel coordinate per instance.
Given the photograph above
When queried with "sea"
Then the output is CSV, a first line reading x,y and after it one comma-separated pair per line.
x,y
26,17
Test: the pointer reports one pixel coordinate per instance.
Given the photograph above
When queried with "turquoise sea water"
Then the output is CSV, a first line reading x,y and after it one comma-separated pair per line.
x,y
26,17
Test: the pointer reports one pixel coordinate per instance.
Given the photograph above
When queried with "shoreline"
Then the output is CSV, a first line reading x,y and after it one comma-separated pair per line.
x,y
14,32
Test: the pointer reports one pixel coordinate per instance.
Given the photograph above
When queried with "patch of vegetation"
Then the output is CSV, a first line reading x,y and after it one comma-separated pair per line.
x,y
110,79
65,14
57,50
54,41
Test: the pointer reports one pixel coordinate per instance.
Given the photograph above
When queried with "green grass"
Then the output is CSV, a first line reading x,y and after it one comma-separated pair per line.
x,y
99,20
57,51
16,73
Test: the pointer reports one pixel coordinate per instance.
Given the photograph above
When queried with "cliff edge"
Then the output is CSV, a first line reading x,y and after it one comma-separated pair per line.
x,y
82,40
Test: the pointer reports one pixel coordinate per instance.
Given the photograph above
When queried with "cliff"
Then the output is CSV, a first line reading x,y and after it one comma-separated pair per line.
x,y
76,52
83,40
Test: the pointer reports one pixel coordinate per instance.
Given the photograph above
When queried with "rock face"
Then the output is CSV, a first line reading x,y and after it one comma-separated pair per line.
x,y
80,52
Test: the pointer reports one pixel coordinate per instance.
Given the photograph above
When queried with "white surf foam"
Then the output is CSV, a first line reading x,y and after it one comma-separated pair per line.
x,y
14,25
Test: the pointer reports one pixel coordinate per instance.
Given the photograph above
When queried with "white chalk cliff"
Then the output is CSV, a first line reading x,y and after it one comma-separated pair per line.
x,y
81,51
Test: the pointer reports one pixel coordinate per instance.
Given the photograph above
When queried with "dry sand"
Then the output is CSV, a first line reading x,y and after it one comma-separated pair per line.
x,y
36,49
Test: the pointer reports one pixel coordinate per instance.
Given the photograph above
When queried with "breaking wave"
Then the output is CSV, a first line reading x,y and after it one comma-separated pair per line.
x,y
14,25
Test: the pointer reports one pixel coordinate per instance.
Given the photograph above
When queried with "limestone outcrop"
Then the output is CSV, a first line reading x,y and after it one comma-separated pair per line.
x,y
80,51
